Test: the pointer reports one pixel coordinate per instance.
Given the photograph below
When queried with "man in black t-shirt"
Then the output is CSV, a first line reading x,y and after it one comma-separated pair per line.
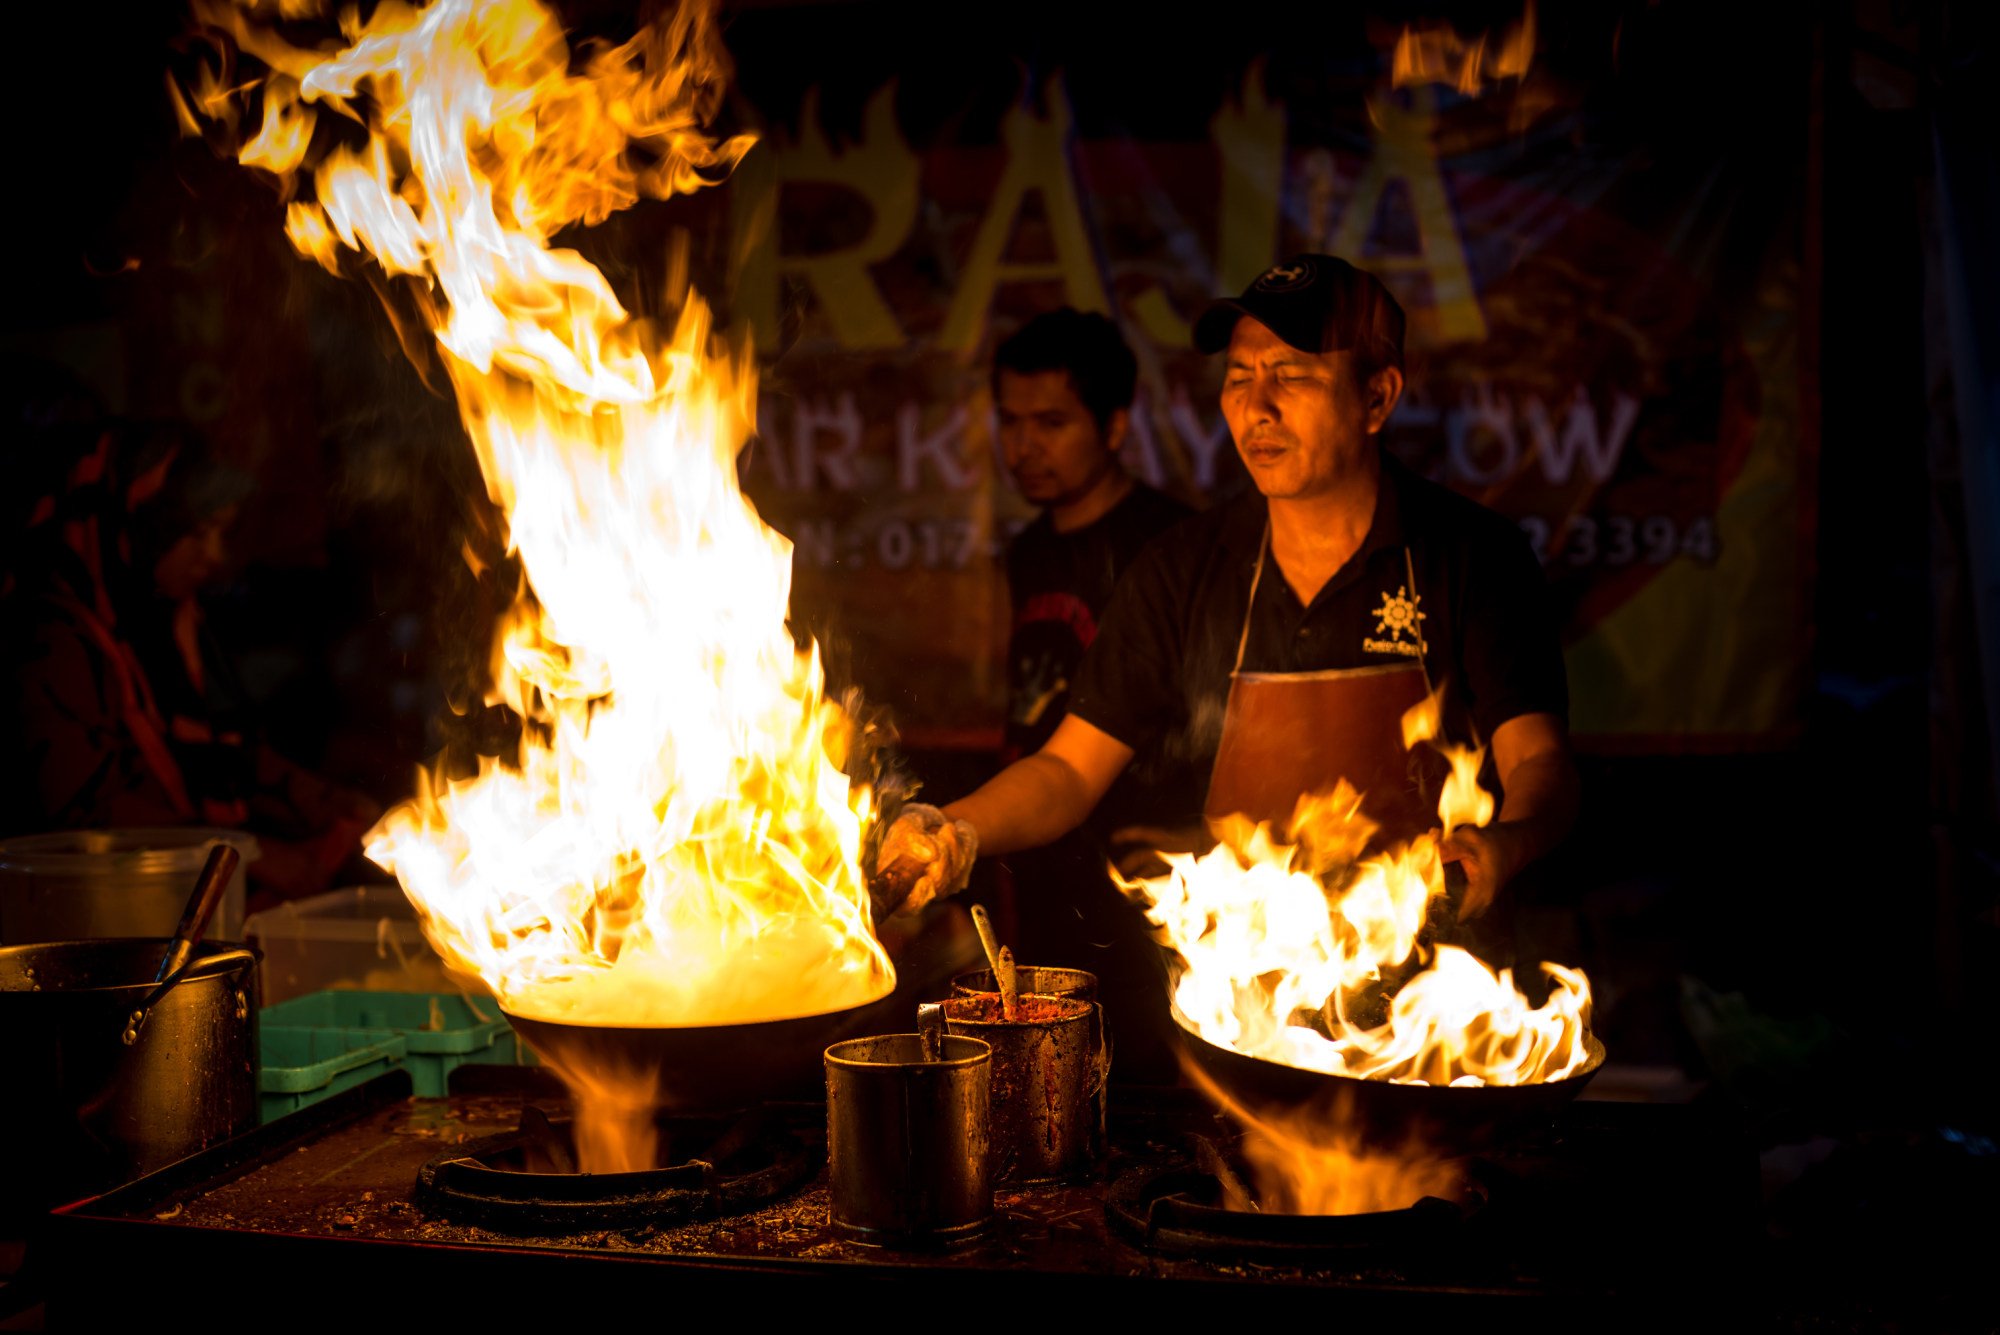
x,y
1063,387
1343,573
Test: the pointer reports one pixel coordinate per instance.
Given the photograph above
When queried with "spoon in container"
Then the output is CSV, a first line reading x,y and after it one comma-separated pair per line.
x,y
1002,960
208,888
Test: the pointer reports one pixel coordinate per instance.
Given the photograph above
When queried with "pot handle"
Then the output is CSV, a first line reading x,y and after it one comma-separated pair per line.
x,y
1101,1072
137,1020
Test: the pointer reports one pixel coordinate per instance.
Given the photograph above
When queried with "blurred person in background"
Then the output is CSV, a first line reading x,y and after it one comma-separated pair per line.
x,y
122,708
1063,386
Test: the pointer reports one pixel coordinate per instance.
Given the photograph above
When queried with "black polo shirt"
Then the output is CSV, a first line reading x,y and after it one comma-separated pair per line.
x,y
1157,676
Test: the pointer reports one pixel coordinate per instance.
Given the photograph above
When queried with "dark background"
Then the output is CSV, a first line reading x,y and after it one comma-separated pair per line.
x,y
1810,932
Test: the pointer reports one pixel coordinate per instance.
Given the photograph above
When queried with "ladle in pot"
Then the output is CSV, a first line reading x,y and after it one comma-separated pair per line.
x,y
1001,959
208,888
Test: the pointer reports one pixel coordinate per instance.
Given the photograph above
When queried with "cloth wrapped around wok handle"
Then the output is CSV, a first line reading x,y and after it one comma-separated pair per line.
x,y
918,845
891,886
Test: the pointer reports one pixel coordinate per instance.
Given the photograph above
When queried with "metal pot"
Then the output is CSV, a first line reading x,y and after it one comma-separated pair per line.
x,y
1043,979
1047,1077
84,1111
1056,981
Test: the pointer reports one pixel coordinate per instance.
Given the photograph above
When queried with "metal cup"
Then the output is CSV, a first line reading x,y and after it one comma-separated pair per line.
x,y
1044,979
1054,981
1047,1079
908,1158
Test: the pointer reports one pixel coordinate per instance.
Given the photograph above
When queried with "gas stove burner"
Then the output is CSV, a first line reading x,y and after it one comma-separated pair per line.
x,y
1181,1212
1663,1191
523,1181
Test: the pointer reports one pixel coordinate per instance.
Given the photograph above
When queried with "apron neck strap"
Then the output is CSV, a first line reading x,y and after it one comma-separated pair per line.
x,y
1423,645
1256,578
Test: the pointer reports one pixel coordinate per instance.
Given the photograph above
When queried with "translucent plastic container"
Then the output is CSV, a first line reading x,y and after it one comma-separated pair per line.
x,y
359,938
82,884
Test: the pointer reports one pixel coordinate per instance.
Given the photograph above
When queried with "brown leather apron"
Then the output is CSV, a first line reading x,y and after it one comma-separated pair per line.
x,y
1285,734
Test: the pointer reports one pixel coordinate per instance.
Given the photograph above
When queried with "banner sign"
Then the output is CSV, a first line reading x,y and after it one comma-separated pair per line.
x,y
1603,346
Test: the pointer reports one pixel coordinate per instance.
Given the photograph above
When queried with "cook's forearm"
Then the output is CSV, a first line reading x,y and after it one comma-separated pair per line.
x,y
1034,801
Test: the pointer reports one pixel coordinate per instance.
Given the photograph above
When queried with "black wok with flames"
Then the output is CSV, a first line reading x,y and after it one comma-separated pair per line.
x,y
1447,1116
721,1067
700,1068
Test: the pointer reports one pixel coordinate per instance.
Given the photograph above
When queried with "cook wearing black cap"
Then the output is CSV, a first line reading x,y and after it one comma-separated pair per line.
x,y
1279,639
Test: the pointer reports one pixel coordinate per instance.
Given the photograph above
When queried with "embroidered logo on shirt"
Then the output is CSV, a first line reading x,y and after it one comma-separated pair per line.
x,y
1400,619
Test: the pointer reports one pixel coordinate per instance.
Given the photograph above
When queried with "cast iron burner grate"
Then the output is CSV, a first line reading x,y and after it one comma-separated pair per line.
x,y
522,1182
1183,1211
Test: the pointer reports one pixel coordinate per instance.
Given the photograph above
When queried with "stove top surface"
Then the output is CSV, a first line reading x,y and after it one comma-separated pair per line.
x,y
1619,1203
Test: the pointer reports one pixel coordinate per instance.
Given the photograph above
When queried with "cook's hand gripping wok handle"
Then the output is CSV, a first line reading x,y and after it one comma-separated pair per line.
x,y
923,856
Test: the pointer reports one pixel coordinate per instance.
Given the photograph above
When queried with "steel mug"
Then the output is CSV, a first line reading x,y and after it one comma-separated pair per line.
x,y
1047,1082
908,1157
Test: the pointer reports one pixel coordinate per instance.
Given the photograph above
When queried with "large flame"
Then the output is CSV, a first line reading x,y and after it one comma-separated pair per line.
x,y
675,842
1432,51
1316,1160
1281,933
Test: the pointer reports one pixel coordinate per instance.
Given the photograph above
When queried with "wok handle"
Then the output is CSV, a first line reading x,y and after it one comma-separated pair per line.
x,y
891,885
137,1020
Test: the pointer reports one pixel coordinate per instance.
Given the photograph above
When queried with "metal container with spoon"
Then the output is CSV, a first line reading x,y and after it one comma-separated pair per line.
x,y
127,1054
1049,1064
1056,981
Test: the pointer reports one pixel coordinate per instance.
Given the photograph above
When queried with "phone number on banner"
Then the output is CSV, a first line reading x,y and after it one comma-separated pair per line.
x,y
902,544
1621,540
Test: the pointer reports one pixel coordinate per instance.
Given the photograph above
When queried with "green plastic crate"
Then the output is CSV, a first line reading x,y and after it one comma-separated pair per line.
x,y
301,1066
442,1031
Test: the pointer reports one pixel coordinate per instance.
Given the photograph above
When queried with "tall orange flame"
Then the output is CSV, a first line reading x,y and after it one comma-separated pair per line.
x,y
1433,52
675,842
1315,1160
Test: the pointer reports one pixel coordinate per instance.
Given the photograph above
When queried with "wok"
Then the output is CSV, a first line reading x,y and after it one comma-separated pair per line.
x,y
699,1068
1446,1117
716,1067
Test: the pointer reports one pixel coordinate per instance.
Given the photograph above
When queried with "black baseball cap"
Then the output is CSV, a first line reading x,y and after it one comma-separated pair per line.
x,y
1316,303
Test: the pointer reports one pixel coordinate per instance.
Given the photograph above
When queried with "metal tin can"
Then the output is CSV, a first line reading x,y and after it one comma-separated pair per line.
x,y
1054,981
908,1157
1045,980
1047,1079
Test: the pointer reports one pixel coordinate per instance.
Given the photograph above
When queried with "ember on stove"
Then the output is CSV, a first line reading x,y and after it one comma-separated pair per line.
x,y
676,842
